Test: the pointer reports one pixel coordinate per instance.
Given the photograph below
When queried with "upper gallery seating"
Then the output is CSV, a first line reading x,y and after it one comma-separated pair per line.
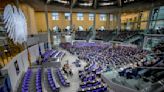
x,y
148,71
81,35
105,35
158,31
122,36
134,71
159,47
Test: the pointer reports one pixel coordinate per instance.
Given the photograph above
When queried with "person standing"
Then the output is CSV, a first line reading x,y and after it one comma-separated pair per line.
x,y
70,72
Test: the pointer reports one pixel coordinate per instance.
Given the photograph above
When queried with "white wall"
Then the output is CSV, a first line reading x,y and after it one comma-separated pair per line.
x,y
25,60
34,53
14,78
42,47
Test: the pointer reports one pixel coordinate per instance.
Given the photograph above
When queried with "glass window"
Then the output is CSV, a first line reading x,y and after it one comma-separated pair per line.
x,y
80,16
91,17
159,24
67,16
161,13
55,16
102,17
157,20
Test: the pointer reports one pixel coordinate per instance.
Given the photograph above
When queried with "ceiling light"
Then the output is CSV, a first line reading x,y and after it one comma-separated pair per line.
x,y
85,4
106,4
62,1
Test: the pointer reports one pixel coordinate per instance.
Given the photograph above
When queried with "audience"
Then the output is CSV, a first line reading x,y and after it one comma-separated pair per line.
x,y
122,36
81,35
104,35
159,48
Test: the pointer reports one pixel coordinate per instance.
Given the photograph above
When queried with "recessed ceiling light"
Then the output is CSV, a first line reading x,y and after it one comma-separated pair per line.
x,y
85,4
62,1
106,4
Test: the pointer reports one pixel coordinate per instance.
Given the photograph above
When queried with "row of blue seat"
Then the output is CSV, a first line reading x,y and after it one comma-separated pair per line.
x,y
98,88
62,78
26,81
38,81
90,66
52,53
90,82
86,78
51,82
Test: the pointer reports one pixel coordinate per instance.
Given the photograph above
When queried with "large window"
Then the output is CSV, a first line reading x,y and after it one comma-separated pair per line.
x,y
91,17
67,16
161,13
102,17
134,21
55,16
80,16
157,20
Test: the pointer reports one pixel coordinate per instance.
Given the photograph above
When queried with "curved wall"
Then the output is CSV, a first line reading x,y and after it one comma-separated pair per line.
x,y
16,75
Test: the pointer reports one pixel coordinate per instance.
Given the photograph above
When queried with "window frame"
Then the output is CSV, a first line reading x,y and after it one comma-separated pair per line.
x,y
55,16
102,17
67,16
91,17
80,16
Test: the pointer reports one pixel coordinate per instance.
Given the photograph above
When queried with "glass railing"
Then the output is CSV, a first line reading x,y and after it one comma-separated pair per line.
x,y
138,83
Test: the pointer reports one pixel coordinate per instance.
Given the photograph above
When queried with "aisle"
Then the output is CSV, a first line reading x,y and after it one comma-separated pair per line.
x,y
74,80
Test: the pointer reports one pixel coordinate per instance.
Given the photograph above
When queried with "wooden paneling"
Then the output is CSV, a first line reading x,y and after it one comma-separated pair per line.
x,y
30,18
40,21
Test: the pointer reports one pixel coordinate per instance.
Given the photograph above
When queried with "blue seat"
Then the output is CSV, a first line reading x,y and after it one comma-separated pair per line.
x,y
105,89
100,90
89,85
83,86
